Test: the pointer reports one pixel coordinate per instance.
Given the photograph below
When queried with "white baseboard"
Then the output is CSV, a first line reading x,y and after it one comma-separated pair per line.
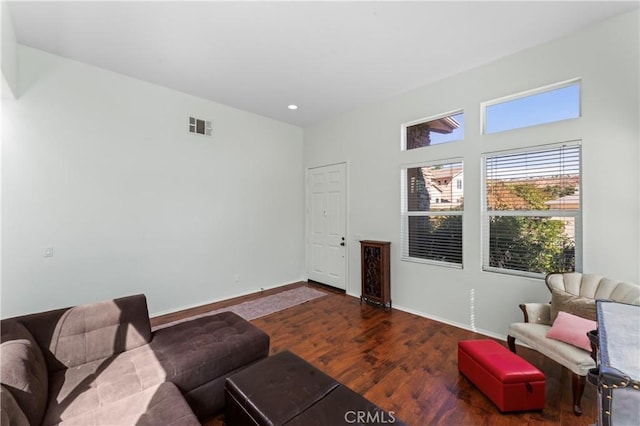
x,y
207,302
487,333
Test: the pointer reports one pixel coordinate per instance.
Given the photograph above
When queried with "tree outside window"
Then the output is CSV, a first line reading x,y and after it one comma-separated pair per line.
x,y
532,212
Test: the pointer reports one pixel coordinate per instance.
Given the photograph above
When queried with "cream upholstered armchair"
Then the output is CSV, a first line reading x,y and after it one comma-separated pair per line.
x,y
574,293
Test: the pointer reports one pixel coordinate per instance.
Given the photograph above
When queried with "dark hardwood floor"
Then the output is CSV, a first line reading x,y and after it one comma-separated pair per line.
x,y
402,362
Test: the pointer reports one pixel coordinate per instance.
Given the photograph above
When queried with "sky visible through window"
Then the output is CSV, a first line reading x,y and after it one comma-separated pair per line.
x,y
455,135
546,107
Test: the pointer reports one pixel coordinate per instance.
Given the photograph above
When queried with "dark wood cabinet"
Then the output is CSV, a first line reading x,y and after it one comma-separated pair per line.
x,y
376,276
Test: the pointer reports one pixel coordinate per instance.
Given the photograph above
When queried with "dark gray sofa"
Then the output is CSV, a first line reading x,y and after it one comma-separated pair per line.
x,y
100,363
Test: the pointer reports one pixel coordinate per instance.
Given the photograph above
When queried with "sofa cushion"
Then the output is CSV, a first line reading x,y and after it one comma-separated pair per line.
x,y
208,398
10,413
189,354
23,371
584,307
195,352
89,386
159,405
534,335
94,331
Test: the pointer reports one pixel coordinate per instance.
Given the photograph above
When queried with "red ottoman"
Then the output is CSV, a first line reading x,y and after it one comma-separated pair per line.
x,y
507,380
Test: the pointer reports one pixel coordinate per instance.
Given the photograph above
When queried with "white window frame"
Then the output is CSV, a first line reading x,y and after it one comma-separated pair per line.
x,y
405,214
487,214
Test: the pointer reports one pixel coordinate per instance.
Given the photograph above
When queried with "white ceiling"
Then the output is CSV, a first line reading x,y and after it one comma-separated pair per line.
x,y
327,57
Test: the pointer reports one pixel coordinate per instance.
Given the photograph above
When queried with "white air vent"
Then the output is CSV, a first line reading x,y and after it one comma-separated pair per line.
x,y
201,127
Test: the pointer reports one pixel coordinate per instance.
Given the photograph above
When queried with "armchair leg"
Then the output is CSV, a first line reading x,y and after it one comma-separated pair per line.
x,y
511,341
577,386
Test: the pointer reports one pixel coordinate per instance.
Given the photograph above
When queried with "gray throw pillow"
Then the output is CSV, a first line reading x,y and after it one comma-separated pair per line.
x,y
584,307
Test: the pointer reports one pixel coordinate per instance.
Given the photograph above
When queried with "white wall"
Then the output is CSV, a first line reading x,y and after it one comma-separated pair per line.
x,y
605,57
101,168
9,58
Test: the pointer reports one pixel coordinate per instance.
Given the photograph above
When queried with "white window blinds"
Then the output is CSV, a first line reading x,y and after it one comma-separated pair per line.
x,y
432,208
532,210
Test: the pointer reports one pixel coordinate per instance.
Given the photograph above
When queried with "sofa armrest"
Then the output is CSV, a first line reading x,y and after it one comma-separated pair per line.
x,y
536,313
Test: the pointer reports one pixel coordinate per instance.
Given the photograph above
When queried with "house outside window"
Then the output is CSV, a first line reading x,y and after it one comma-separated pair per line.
x,y
432,131
532,210
432,210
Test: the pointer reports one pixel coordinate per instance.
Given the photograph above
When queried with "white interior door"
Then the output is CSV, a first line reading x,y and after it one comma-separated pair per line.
x,y
326,228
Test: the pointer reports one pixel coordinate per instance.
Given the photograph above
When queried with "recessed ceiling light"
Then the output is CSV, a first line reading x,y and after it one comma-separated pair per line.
x,y
292,107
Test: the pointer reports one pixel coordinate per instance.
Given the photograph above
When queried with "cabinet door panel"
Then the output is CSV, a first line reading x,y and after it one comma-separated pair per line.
x,y
375,273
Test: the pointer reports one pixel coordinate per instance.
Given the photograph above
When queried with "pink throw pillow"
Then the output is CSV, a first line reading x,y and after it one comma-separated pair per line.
x,y
572,329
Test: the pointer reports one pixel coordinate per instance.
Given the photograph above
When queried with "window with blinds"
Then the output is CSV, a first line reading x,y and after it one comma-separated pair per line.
x,y
532,210
432,207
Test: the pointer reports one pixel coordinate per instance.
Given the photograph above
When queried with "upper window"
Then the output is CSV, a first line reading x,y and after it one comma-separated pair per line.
x,y
532,210
432,207
433,131
546,105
